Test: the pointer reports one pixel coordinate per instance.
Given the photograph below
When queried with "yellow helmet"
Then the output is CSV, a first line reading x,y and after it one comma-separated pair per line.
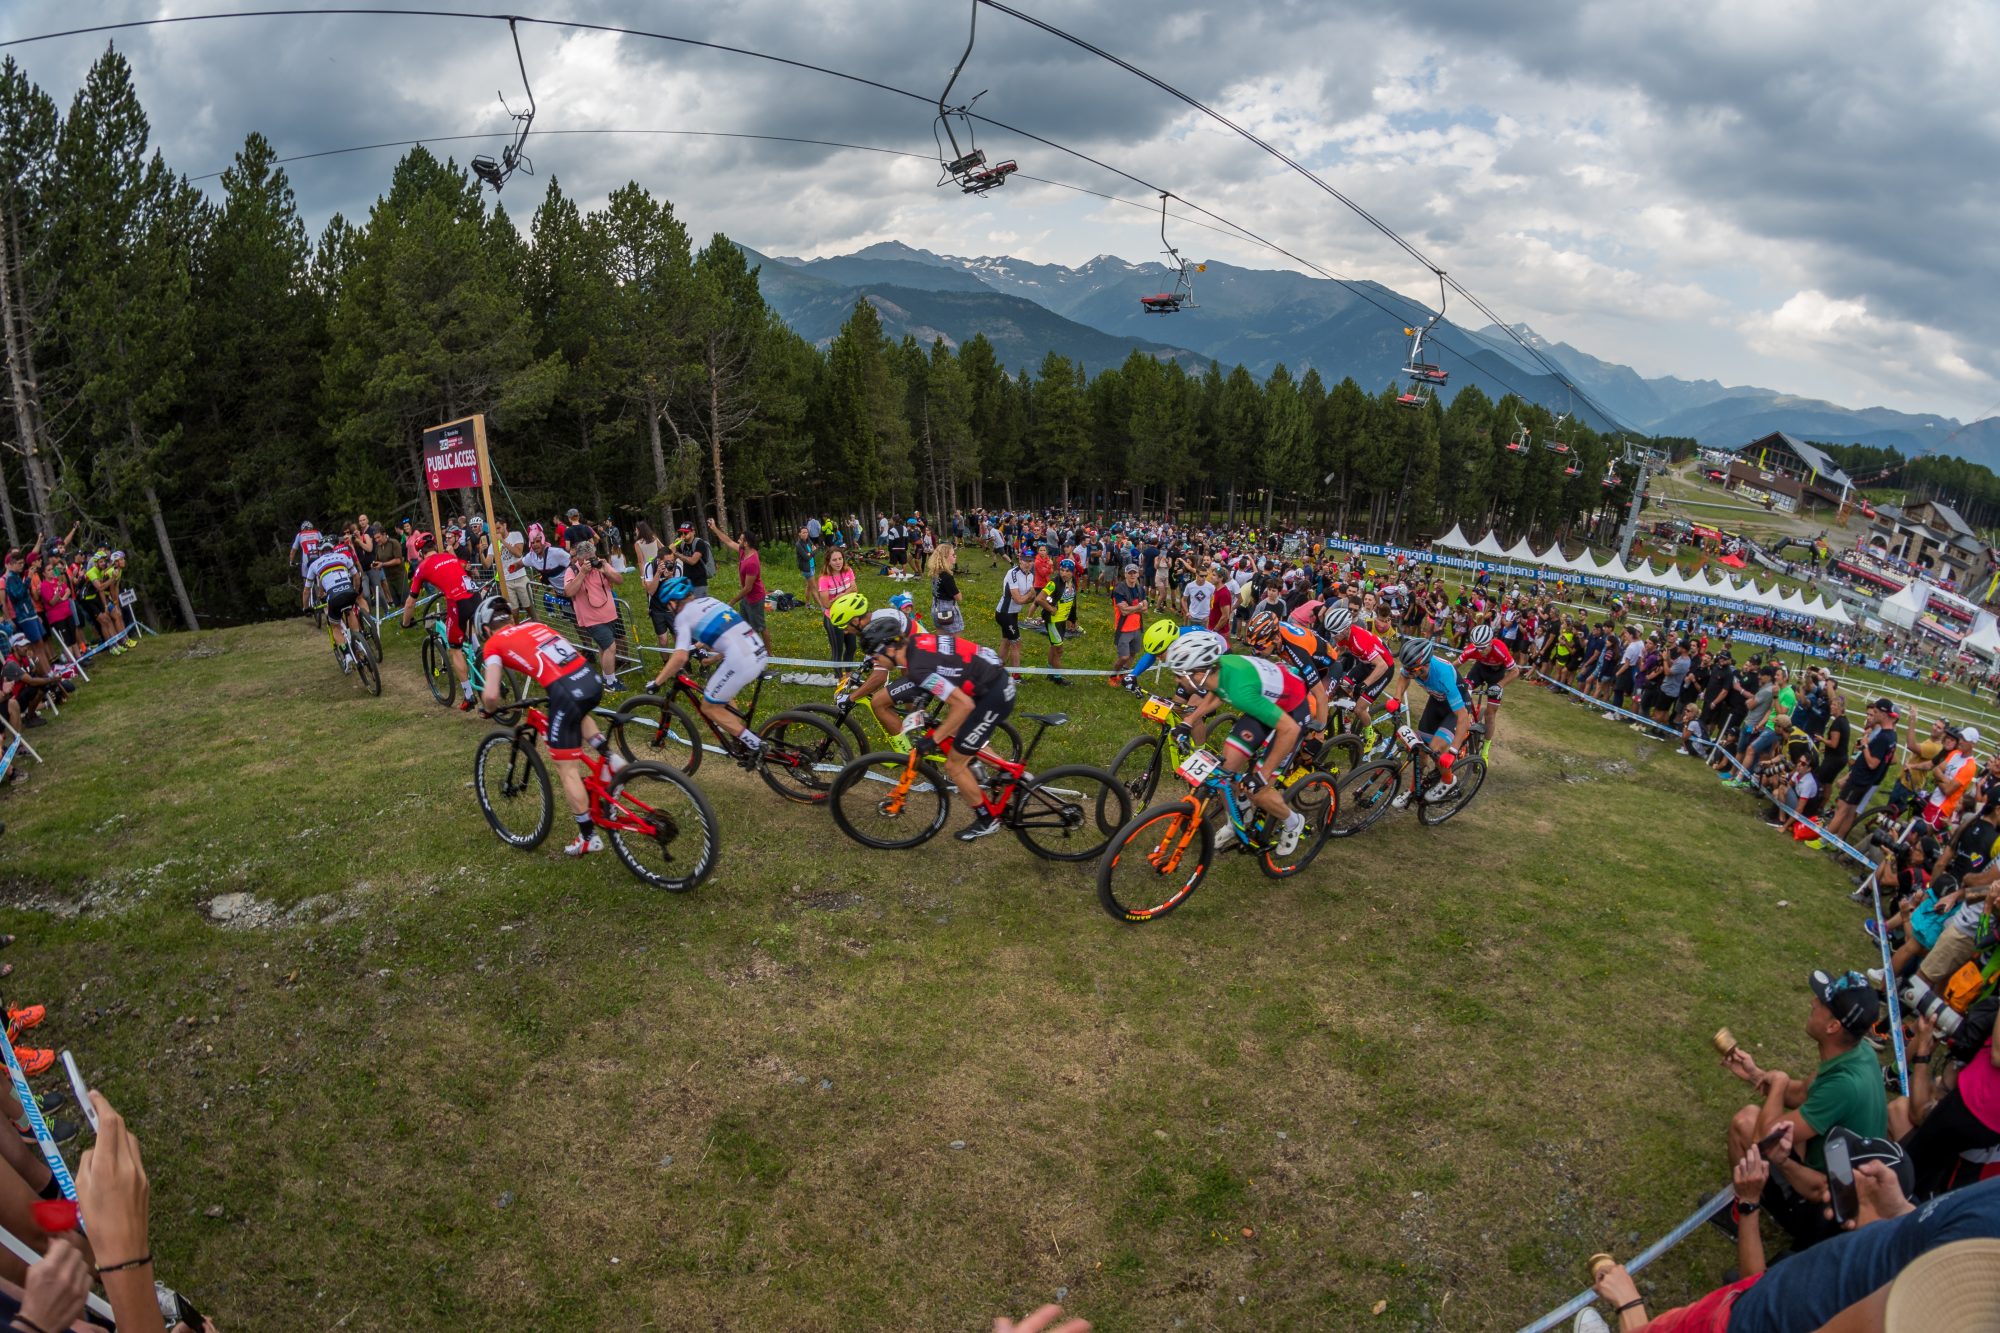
x,y
1160,636
846,609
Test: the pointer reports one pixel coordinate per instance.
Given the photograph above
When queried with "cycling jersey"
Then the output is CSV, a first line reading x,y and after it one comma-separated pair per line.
x,y
447,574
1063,595
534,650
704,621
331,572
1308,654
941,663
721,629
1363,646
305,546
1262,690
1495,654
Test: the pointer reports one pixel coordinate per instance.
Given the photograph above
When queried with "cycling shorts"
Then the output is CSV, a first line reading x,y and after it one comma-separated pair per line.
x,y
1439,718
458,619
743,657
989,710
1484,673
1010,625
1358,671
571,698
340,603
1250,736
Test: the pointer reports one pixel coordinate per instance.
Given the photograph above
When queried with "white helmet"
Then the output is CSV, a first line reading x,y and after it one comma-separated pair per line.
x,y
1482,636
1196,650
1335,619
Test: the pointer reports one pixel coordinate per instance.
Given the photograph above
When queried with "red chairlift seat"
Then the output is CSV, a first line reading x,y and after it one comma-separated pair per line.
x,y
979,182
1161,303
1410,398
1426,372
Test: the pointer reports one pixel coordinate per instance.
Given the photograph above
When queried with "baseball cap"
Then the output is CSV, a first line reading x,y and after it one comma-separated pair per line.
x,y
687,527
18,641
1884,706
574,513
1849,998
1971,735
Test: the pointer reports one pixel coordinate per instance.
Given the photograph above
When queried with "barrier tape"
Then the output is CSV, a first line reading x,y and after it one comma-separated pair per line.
x,y
43,1140
1659,1247
28,1255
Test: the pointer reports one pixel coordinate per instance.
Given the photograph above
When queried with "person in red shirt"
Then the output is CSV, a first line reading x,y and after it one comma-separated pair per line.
x,y
574,688
446,575
1363,658
1489,664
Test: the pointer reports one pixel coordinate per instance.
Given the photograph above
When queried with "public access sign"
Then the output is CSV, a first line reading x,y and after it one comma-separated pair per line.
x,y
451,456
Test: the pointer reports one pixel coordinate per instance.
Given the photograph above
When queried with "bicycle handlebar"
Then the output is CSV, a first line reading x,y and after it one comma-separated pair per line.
x,y
516,709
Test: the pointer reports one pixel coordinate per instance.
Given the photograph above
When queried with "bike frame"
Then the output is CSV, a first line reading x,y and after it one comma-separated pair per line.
x,y
1221,782
605,811
1012,770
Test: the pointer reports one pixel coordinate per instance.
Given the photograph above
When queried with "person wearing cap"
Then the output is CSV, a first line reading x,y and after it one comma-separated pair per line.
x,y
1128,621
1951,776
697,558
575,530
1845,1091
1871,765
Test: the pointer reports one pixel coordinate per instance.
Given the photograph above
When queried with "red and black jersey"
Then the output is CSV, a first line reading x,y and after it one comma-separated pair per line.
x,y
1494,655
941,663
447,574
534,650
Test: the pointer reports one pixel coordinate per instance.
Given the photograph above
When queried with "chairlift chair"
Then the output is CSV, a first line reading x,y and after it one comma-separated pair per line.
x,y
965,163
1182,296
1555,441
512,158
1519,441
1418,369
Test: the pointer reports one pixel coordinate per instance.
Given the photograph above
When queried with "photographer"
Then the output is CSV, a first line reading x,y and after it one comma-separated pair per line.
x,y
1958,1114
590,588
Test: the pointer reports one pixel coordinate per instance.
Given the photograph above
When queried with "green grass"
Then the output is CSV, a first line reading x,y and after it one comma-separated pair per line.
x,y
1438,1070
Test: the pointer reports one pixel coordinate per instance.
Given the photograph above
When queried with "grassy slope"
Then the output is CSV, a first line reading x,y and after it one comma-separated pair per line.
x,y
1438,1072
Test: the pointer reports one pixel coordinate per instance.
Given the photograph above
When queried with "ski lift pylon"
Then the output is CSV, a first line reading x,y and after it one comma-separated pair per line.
x,y
965,163
512,159
1182,296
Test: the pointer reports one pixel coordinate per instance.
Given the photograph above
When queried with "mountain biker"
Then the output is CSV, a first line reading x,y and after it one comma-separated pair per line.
x,y
304,547
1159,636
1439,679
335,576
1492,667
1364,658
971,682
447,575
573,688
847,613
1272,701
1299,649
719,628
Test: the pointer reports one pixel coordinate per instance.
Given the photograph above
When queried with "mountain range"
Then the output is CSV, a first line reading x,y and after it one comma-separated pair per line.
x,y
1261,317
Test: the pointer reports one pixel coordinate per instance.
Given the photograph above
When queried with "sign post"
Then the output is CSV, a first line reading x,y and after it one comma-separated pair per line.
x,y
455,458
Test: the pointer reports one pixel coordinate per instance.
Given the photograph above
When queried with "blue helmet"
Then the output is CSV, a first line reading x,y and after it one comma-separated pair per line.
x,y
674,589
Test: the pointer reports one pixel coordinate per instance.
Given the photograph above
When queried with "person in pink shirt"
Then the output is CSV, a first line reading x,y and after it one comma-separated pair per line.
x,y
1965,1119
749,577
52,590
838,578
591,589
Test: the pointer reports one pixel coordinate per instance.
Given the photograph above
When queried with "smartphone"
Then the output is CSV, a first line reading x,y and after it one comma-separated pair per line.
x,y
1840,1182
82,1093
1770,1141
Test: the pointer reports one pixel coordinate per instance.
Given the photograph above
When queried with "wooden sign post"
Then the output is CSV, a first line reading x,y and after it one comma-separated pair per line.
x,y
455,458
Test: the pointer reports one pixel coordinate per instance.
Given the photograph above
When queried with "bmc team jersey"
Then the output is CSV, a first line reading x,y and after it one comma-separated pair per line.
x,y
534,650
446,573
1440,681
1495,655
941,663
1259,689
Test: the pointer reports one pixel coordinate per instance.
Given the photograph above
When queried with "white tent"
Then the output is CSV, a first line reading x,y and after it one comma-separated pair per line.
x,y
1454,540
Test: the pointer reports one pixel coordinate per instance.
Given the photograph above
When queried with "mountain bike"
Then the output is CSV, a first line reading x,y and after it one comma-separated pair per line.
x,y
1406,778
356,656
799,754
1145,757
893,801
436,659
1162,856
658,822
844,712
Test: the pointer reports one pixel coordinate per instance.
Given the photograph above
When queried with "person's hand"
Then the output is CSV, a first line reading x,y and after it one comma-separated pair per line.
x,y
1772,1080
1739,1063
112,1190
1781,1147
1878,1193
52,1297
1042,1321
1614,1284
1750,1174
1926,1032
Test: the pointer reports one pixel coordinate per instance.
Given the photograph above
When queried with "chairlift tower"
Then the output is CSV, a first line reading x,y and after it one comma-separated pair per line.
x,y
1643,460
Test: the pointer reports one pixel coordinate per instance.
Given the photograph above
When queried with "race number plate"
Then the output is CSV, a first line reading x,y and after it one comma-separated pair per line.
x,y
1197,766
1409,738
1158,709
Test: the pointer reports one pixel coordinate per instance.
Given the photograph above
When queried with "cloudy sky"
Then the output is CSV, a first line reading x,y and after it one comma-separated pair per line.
x,y
1790,193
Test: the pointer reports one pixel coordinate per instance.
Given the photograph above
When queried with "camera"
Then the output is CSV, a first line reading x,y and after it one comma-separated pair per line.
x,y
1921,999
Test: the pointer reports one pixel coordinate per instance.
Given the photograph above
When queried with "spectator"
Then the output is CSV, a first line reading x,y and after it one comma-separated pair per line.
x,y
645,545
749,577
838,579
697,559
514,569
592,591
1845,1091
549,563
1197,596
1871,765
17,599
947,616
53,594
575,530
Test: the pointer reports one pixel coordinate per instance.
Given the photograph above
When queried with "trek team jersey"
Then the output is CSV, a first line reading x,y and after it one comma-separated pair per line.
x,y
1257,688
534,650
1495,655
938,664
447,574
1363,646
331,573
1440,681
704,620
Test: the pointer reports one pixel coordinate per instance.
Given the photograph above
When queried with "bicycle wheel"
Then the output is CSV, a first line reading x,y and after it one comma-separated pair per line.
x,y
364,664
850,729
1070,813
1317,797
889,801
1366,795
652,729
437,670
514,791
1155,862
802,752
661,826
373,633
1467,774
1340,756
1137,767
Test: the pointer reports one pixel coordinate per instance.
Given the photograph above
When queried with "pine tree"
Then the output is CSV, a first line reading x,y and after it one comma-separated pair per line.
x,y
651,268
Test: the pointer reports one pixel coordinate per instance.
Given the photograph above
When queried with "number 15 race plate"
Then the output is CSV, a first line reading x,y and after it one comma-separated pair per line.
x,y
1198,766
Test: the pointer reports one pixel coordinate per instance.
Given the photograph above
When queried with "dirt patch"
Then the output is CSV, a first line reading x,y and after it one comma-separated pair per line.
x,y
246,911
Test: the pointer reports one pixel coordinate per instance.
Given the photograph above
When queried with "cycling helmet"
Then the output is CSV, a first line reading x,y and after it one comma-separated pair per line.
x,y
1482,636
1196,650
1263,630
1160,636
883,632
675,589
1335,620
1415,654
308,526
492,613
893,616
902,601
846,609
420,543
1067,566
